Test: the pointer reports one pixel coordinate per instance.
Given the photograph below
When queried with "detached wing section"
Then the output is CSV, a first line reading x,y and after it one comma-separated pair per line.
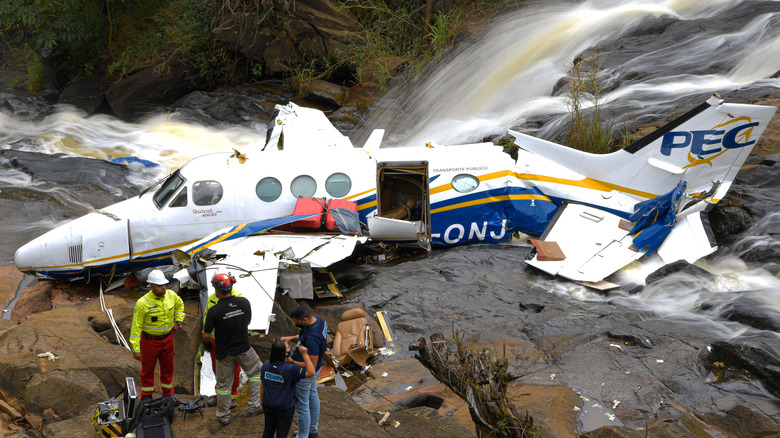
x,y
594,244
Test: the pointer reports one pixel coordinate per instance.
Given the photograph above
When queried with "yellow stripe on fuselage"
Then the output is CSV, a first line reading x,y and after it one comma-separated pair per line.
x,y
586,183
220,239
489,200
348,198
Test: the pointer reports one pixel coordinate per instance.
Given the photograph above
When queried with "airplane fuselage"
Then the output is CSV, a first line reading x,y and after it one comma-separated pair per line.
x,y
431,196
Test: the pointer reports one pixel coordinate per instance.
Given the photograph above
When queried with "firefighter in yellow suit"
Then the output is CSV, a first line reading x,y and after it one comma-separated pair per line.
x,y
157,315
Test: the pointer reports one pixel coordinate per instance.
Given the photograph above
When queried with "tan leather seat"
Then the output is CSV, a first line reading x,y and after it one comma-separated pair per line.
x,y
354,338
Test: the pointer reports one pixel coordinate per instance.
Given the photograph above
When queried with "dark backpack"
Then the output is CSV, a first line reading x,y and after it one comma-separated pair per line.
x,y
154,420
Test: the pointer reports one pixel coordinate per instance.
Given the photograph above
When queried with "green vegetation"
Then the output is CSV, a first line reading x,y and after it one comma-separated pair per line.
x,y
404,29
40,26
589,131
114,38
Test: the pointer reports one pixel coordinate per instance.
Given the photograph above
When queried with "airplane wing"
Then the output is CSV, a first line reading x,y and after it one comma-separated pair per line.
x,y
594,243
587,244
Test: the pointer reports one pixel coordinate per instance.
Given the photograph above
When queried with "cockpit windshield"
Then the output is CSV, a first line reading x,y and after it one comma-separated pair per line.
x,y
168,188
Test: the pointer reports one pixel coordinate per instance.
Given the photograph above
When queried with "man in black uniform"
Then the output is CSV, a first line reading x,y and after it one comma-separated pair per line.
x,y
229,319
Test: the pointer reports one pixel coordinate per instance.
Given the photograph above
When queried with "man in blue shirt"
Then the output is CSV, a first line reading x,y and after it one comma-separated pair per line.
x,y
313,335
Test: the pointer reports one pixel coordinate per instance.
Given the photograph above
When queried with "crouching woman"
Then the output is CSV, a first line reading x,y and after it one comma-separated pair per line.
x,y
280,377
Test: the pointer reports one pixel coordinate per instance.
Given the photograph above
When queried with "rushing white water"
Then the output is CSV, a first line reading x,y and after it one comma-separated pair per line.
x,y
510,73
159,139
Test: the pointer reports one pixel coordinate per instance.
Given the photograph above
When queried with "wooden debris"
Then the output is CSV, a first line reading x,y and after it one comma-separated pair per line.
x,y
481,380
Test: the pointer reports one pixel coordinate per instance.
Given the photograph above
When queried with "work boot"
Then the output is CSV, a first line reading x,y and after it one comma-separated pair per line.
x,y
224,420
314,435
233,404
211,401
254,411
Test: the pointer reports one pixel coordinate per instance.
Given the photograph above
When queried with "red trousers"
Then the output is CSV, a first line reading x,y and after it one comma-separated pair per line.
x,y
151,352
236,371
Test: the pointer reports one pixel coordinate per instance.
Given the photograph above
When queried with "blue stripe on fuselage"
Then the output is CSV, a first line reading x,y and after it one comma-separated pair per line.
x,y
493,220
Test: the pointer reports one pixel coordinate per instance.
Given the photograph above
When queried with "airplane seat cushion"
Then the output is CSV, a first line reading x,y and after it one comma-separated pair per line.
x,y
351,331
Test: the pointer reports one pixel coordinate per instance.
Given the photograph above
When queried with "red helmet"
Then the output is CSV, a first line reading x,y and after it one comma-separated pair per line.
x,y
223,282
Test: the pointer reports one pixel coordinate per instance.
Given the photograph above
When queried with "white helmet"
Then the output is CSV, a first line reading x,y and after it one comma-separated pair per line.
x,y
156,277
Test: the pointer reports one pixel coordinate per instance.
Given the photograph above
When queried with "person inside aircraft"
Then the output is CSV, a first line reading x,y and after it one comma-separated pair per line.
x,y
401,212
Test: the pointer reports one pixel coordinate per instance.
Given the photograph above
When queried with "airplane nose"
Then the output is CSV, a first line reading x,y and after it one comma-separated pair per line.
x,y
26,258
53,250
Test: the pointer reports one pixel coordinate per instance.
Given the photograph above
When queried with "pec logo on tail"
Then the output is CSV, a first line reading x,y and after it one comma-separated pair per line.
x,y
713,142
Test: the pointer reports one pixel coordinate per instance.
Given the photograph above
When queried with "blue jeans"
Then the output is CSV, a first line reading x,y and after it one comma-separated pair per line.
x,y
308,406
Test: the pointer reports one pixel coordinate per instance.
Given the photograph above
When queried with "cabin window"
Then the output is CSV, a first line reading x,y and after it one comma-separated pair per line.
x,y
169,187
464,183
180,200
206,192
303,186
338,185
268,189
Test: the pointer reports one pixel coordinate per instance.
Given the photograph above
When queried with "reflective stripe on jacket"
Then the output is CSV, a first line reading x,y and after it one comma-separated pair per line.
x,y
213,300
155,316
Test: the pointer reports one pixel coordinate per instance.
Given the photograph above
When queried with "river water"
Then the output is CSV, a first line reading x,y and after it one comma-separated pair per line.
x,y
657,58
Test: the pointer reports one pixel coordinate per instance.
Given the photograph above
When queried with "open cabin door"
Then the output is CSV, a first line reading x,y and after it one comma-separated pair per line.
x,y
403,204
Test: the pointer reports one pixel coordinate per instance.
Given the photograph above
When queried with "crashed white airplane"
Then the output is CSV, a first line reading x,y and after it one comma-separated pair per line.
x,y
591,214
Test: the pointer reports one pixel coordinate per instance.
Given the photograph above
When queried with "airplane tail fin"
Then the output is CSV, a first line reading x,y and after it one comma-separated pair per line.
x,y
707,145
704,147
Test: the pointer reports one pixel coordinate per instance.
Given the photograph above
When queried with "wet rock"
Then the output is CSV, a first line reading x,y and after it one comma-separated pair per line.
x,y
678,266
752,312
424,422
77,173
158,85
531,307
521,355
408,384
766,254
726,221
340,413
551,407
740,420
360,100
87,95
631,335
326,92
65,188
251,104
756,353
